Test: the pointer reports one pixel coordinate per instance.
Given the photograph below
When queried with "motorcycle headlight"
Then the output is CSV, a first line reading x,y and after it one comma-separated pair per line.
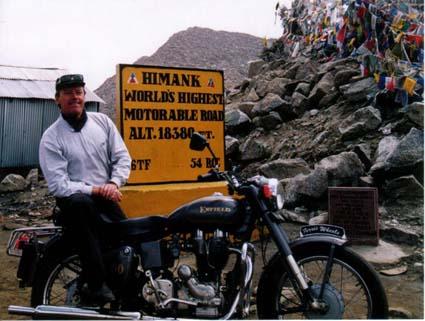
x,y
277,192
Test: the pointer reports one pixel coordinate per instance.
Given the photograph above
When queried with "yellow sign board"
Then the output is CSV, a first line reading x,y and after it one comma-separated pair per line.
x,y
158,109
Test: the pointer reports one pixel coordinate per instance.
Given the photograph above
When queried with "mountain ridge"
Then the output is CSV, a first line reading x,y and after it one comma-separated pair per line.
x,y
196,47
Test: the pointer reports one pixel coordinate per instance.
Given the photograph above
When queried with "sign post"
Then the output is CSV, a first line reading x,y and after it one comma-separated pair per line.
x,y
158,109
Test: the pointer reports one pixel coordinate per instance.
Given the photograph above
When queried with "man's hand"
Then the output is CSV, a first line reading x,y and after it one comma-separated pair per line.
x,y
109,191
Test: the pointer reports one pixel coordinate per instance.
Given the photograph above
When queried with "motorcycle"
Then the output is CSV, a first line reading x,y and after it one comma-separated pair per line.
x,y
199,261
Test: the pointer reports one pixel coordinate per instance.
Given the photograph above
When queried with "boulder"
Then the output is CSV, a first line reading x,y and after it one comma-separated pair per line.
x,y
404,201
254,149
284,168
236,121
320,218
306,71
13,183
329,100
385,147
360,123
268,122
32,177
322,88
299,104
246,107
267,104
232,145
252,96
344,77
303,88
291,72
415,112
277,86
304,189
406,158
359,90
342,168
255,67
365,154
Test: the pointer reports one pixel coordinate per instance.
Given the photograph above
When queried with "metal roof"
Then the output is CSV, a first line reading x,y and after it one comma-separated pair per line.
x,y
30,82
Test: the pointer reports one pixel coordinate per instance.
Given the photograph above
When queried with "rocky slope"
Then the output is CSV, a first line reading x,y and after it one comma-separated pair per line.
x,y
314,125
197,48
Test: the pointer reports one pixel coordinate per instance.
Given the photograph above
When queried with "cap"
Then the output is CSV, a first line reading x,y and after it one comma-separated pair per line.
x,y
67,81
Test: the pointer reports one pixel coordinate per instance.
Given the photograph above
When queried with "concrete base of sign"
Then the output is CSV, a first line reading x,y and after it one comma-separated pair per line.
x,y
147,200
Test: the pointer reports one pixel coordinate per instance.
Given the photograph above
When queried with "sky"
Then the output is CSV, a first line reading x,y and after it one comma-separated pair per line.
x,y
92,36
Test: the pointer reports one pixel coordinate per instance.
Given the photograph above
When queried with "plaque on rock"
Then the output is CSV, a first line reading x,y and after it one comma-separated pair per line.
x,y
356,210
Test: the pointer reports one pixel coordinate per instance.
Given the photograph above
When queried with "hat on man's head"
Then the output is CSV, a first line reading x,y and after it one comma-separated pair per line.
x,y
67,81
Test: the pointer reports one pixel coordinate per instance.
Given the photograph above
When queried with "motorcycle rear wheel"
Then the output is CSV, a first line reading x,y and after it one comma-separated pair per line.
x,y
354,290
57,280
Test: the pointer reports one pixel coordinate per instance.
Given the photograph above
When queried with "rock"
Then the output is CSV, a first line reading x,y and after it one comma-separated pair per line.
x,y
294,216
409,151
13,183
269,121
386,146
252,96
321,137
278,86
404,159
403,199
400,234
302,189
236,121
299,103
32,177
384,253
261,87
291,72
232,145
323,87
415,112
269,103
399,313
313,112
246,107
366,181
306,71
322,218
359,90
284,168
328,100
343,77
303,88
360,123
255,67
343,167
337,63
394,271
364,153
404,189
254,149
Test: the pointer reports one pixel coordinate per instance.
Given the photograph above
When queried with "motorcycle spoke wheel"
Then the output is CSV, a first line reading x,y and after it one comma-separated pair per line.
x,y
346,294
61,285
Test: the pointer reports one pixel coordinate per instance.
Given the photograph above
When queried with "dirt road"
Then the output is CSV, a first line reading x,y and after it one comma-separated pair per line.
x,y
405,291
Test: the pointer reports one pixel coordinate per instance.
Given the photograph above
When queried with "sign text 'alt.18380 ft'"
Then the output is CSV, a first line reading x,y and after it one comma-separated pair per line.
x,y
158,109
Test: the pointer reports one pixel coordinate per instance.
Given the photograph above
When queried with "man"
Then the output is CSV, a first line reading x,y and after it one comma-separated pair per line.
x,y
84,161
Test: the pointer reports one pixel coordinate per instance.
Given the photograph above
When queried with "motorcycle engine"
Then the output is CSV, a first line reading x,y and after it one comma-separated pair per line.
x,y
197,292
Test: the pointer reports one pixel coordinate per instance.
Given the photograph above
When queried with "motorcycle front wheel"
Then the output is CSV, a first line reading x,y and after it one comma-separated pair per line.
x,y
354,290
57,281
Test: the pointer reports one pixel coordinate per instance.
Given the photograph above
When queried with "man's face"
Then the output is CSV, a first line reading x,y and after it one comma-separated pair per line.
x,y
71,101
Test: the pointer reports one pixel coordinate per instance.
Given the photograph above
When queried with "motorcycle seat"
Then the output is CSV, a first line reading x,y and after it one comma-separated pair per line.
x,y
142,228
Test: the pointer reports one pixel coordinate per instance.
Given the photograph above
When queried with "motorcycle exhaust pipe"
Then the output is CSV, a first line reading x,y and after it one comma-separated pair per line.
x,y
62,312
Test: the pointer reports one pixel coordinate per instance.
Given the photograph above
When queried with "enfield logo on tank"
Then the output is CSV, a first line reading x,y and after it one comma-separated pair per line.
x,y
158,110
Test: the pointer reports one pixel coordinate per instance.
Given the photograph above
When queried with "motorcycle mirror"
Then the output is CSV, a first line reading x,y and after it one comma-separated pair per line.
x,y
198,142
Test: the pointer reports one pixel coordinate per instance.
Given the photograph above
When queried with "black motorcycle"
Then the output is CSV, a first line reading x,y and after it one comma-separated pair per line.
x,y
198,263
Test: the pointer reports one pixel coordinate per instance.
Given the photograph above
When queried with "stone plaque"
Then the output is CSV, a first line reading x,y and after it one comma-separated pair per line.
x,y
356,210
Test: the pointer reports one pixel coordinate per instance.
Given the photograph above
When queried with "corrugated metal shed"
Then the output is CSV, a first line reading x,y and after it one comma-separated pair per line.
x,y
27,82
27,108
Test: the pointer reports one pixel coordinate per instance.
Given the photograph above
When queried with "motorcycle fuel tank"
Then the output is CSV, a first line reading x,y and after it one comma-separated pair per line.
x,y
207,213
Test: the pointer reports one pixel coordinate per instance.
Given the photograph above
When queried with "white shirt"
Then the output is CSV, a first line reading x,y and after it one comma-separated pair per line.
x,y
73,162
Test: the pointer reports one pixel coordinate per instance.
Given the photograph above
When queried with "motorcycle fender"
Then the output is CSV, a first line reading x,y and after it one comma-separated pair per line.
x,y
302,244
